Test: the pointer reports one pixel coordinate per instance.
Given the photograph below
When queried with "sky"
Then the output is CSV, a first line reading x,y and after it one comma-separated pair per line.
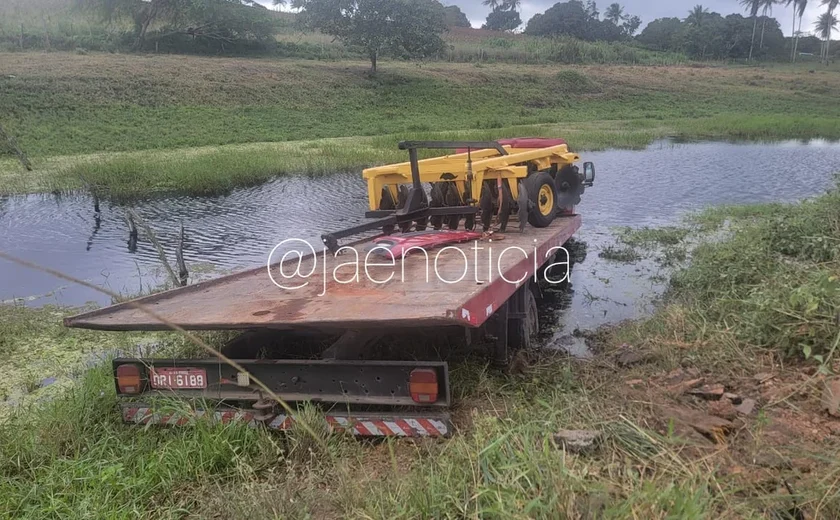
x,y
647,10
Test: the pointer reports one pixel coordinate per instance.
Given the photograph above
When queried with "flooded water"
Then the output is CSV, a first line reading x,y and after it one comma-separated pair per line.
x,y
651,187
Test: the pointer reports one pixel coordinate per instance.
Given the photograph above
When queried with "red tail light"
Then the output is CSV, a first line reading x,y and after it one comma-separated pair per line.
x,y
128,379
423,385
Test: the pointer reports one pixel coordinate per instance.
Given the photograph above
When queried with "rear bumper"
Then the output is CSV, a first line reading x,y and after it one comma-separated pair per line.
x,y
364,398
358,424
384,383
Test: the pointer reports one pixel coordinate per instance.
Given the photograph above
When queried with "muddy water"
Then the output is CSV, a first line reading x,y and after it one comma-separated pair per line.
x,y
651,187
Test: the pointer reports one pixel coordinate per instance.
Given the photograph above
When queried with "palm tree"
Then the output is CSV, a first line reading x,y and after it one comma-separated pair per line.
x,y
614,13
492,4
752,6
824,25
832,5
799,9
696,15
795,4
766,10
511,5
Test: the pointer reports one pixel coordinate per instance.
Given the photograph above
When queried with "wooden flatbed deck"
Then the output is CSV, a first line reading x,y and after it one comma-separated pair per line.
x,y
250,300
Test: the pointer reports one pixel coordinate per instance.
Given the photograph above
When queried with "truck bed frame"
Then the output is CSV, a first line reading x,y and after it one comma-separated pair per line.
x,y
362,397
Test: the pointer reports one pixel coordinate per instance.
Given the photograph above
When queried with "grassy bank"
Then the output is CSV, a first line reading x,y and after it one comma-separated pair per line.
x,y
466,45
760,296
217,169
139,123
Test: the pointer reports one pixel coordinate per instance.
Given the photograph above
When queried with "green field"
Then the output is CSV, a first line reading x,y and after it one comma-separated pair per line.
x,y
136,124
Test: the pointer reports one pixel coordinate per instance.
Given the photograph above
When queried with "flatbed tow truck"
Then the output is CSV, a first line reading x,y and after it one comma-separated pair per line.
x,y
356,296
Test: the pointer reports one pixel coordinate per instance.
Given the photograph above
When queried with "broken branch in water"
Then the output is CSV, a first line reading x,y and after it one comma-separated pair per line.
x,y
132,233
183,274
153,239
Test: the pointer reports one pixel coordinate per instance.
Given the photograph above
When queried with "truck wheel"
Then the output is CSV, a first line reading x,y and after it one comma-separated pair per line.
x,y
522,331
543,195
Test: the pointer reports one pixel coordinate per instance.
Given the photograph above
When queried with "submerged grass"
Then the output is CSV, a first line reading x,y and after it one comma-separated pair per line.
x,y
42,357
620,254
647,237
34,346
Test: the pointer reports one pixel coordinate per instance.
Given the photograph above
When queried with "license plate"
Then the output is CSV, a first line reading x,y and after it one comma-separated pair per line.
x,y
178,378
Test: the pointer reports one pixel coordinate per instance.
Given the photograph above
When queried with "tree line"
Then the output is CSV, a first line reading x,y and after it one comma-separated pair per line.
x,y
709,35
584,22
213,24
414,28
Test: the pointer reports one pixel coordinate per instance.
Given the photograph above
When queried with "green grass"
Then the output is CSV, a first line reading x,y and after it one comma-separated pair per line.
x,y
75,460
471,45
664,236
201,125
61,105
54,25
777,270
72,457
620,254
217,169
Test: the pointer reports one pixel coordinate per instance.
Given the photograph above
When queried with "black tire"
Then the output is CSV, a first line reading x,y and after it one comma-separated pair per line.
x,y
522,332
543,196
